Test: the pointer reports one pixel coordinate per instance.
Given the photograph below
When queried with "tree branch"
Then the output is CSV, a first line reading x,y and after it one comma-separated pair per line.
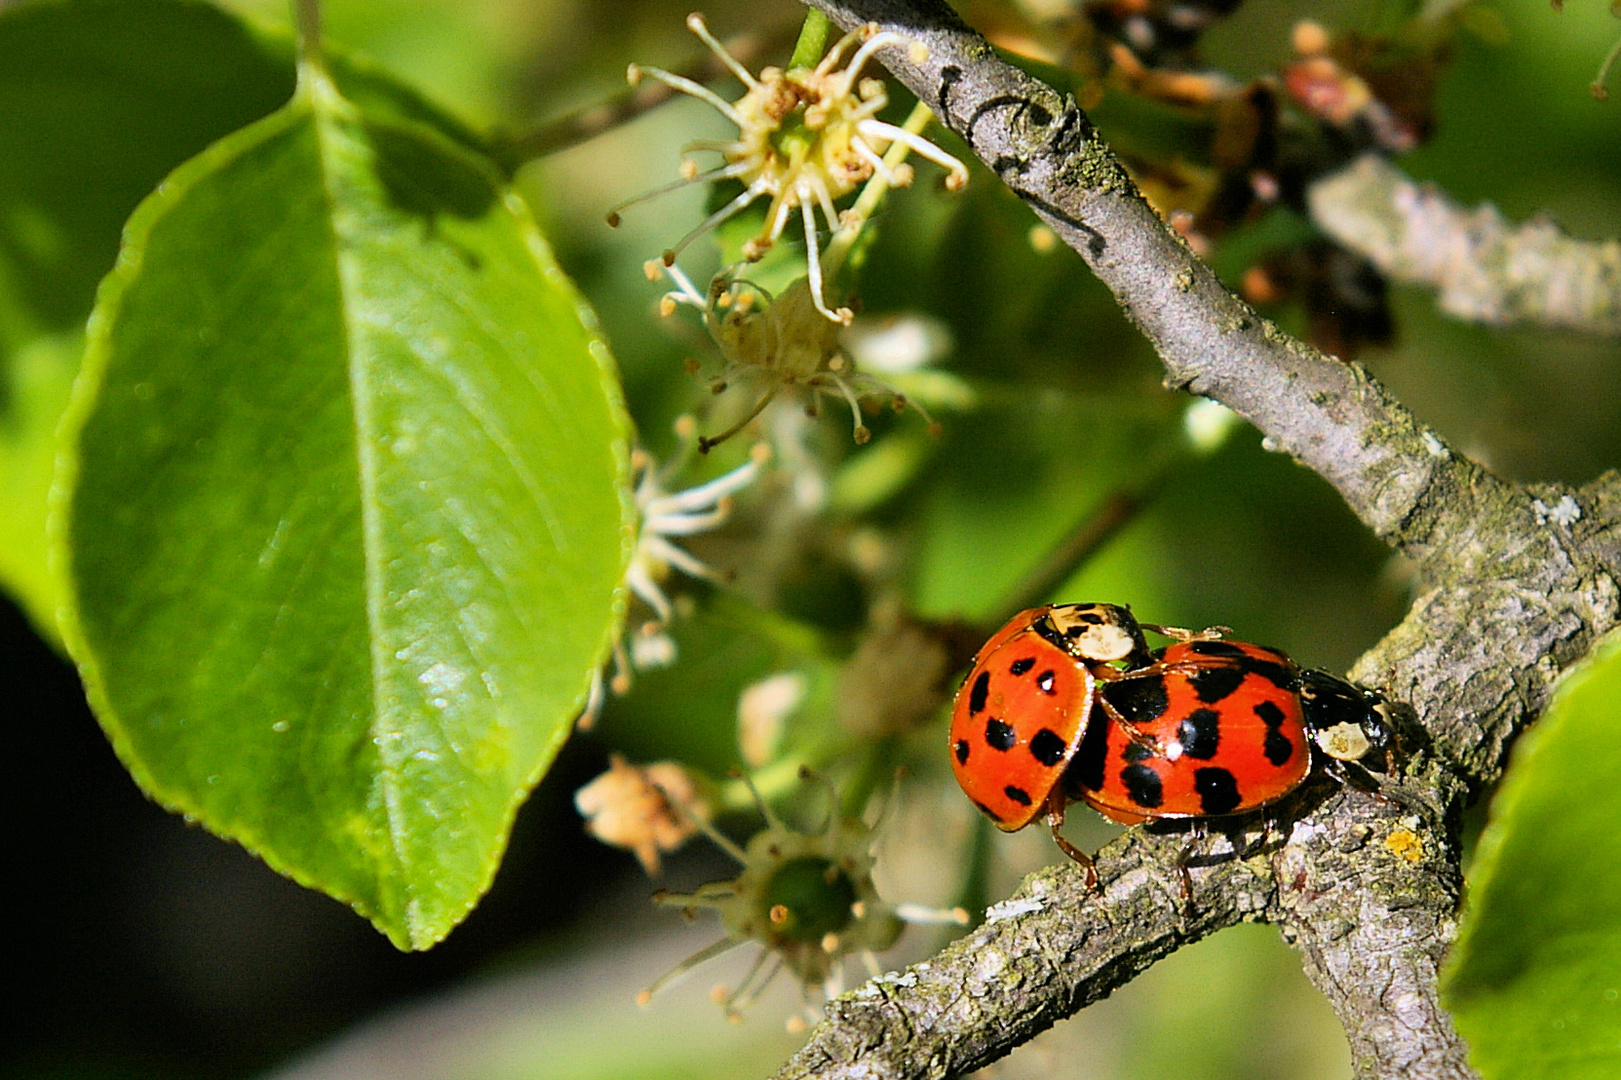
x,y
1486,269
1516,584
1331,416
1351,868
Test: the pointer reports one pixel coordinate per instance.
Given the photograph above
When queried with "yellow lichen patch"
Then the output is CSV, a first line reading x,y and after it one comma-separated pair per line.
x,y
1405,844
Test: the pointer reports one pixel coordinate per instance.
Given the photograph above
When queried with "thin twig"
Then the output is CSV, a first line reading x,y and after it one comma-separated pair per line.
x,y
585,124
1086,539
1485,269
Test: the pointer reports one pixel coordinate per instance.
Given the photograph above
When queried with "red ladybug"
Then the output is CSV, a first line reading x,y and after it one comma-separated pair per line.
x,y
1220,729
1030,699
1066,704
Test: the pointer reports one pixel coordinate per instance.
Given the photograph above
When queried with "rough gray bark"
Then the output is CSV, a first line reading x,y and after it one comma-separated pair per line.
x,y
1515,584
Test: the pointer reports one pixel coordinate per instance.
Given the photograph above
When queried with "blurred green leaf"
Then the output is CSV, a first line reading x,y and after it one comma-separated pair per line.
x,y
99,99
1534,981
349,510
1016,479
689,711
41,375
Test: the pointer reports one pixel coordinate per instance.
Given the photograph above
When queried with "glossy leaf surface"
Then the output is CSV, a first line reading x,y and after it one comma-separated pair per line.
x,y
1534,981
348,517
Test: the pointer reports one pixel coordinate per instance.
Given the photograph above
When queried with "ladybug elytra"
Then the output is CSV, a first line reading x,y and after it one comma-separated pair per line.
x,y
1066,704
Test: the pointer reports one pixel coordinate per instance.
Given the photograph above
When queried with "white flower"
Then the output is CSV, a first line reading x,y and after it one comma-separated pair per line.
x,y
806,137
683,513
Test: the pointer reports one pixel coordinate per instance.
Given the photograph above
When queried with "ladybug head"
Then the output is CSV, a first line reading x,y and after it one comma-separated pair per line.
x,y
1347,722
1102,633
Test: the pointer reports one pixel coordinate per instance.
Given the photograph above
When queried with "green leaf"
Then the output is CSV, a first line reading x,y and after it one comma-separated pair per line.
x,y
41,375
349,510
99,100
1534,981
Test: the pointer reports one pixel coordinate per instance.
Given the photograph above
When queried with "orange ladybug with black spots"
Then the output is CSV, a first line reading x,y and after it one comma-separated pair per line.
x,y
1219,729
1066,704
1027,704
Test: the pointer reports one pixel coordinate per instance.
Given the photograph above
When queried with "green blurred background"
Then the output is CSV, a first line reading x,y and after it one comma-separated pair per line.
x,y
144,948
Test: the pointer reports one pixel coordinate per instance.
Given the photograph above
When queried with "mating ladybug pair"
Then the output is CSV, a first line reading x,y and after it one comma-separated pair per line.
x,y
1067,704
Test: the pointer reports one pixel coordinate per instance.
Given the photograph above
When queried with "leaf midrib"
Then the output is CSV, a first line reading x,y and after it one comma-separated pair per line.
x,y
325,103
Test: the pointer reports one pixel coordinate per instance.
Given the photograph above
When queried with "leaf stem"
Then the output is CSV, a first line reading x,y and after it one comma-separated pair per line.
x,y
1100,525
589,121
1600,91
307,17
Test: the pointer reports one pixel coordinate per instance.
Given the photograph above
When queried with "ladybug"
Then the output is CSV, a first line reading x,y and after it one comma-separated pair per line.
x,y
1028,702
1066,704
1220,728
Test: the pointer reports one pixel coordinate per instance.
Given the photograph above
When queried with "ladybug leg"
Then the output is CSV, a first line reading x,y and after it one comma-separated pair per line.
x,y
1351,774
1267,825
1055,820
1133,732
1184,879
1154,747
1177,633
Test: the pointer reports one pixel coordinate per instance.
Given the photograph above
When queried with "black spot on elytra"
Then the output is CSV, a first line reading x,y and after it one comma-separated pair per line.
x,y
1200,734
1142,786
1017,794
1270,714
977,696
999,736
1047,747
987,811
1019,667
1045,682
1283,676
1277,747
1216,648
962,751
1215,683
1086,767
1135,751
1218,790
1141,700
